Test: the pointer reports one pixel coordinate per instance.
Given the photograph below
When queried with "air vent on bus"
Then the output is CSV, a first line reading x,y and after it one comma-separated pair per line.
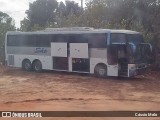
x,y
10,60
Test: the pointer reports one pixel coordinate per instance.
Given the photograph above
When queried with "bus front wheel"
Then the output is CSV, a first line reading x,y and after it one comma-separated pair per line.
x,y
37,66
26,65
100,70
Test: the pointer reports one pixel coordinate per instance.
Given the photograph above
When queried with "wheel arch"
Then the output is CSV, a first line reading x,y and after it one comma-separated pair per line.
x,y
97,72
102,64
96,61
35,60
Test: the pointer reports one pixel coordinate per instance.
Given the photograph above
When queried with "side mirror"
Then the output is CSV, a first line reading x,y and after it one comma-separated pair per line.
x,y
151,48
147,48
147,51
131,48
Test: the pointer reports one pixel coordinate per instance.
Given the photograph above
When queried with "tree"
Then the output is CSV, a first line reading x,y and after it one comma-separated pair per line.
x,y
6,24
41,12
65,12
70,7
25,25
61,10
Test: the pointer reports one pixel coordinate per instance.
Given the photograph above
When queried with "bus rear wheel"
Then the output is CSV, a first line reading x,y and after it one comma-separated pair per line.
x,y
100,71
26,65
37,66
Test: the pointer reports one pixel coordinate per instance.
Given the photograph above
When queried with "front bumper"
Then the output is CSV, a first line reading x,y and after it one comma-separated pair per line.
x,y
136,69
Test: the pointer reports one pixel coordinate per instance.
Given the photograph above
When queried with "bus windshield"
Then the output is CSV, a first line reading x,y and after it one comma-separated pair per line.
x,y
139,50
135,38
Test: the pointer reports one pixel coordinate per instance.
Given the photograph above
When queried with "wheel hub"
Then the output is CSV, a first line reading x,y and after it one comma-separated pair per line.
x,y
102,72
27,66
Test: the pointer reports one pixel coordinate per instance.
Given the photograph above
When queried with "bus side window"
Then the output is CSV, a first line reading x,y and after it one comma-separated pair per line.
x,y
77,38
118,38
11,40
97,40
42,41
30,40
59,38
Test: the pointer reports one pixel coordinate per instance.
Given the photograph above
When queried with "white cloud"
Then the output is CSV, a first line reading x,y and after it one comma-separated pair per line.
x,y
15,8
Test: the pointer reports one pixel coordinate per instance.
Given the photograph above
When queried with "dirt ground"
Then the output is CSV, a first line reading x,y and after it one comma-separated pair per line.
x,y
60,91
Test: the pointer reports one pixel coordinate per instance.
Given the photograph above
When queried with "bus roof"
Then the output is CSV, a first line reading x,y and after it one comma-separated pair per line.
x,y
74,30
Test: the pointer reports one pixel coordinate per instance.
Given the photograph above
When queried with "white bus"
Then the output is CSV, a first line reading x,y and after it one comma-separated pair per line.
x,y
103,52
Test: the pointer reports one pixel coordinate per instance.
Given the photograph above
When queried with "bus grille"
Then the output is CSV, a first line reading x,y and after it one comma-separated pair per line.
x,y
10,60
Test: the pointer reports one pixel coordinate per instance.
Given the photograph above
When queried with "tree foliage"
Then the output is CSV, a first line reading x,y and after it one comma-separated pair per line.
x,y
6,24
40,13
70,7
49,13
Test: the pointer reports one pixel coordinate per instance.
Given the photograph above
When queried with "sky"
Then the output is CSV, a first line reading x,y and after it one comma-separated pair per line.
x,y
16,8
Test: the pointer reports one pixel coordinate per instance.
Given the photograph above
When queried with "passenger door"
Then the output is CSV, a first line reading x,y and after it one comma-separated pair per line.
x,y
112,61
146,52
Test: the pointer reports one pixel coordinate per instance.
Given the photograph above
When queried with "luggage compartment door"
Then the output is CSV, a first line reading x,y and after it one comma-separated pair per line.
x,y
60,56
59,49
79,50
80,57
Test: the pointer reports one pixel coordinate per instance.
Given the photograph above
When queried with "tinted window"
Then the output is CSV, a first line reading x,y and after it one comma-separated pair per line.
x,y
135,38
29,40
118,38
12,40
94,40
26,40
97,40
59,38
42,40
78,38
19,40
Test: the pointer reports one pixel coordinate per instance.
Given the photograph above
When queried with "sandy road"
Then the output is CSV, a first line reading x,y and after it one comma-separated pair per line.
x,y
57,91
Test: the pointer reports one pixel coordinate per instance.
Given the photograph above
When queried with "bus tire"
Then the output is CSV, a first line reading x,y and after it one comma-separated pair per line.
x,y
37,66
100,70
26,65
